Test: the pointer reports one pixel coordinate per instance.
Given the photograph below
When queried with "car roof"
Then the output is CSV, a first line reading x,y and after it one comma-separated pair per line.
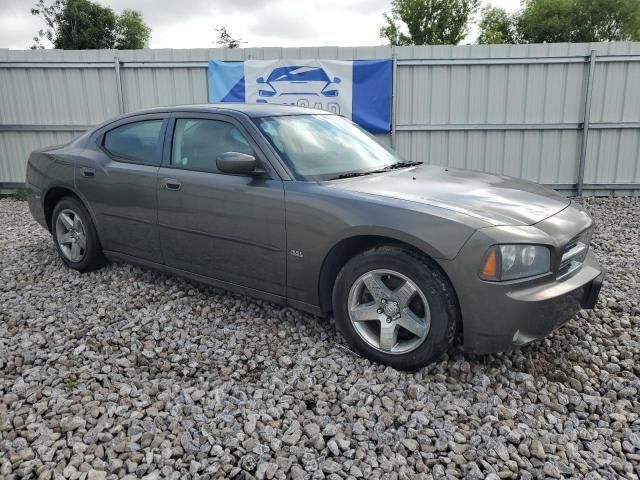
x,y
255,110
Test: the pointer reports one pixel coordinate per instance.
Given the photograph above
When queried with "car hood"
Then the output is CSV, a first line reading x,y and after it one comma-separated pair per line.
x,y
498,200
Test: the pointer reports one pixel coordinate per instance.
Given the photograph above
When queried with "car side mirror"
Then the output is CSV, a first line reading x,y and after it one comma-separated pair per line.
x,y
336,80
260,80
238,164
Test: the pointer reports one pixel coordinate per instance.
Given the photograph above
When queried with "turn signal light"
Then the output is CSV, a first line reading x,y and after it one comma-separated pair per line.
x,y
490,268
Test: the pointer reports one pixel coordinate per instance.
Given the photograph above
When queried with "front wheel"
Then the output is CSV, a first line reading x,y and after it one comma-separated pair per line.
x,y
395,307
75,235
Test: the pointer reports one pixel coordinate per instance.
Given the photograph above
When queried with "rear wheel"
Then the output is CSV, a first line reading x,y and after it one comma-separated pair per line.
x,y
75,235
395,307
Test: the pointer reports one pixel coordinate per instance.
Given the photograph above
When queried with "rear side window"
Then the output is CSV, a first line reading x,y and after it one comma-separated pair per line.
x,y
136,142
198,142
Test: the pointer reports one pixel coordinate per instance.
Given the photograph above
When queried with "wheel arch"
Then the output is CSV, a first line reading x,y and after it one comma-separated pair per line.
x,y
54,194
349,246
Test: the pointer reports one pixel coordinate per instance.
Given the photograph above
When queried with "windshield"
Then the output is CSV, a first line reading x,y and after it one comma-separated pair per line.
x,y
323,147
298,74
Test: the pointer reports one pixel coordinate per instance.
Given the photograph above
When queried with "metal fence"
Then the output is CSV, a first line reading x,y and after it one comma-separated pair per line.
x,y
565,115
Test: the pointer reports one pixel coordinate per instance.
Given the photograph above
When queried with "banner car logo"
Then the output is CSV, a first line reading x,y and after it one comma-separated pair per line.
x,y
300,85
359,90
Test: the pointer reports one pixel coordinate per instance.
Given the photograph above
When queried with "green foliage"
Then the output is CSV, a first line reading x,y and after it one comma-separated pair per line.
x,y
607,20
70,383
20,194
546,21
226,40
497,26
83,25
131,31
428,22
51,15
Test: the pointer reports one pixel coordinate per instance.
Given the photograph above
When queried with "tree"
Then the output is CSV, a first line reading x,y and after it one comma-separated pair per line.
x,y
85,25
131,31
607,20
428,22
497,26
226,40
546,21
51,15
82,25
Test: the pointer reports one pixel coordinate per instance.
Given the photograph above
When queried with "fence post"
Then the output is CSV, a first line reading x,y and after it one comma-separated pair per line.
x,y
585,122
394,98
116,66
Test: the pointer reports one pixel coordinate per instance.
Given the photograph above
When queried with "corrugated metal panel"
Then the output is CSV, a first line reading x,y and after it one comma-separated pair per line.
x,y
491,94
16,146
540,156
521,119
50,96
613,156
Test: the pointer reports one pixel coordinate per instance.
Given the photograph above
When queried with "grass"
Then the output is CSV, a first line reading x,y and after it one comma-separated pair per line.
x,y
70,383
20,194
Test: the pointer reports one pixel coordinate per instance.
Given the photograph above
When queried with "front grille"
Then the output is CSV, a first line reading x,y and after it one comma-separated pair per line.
x,y
574,254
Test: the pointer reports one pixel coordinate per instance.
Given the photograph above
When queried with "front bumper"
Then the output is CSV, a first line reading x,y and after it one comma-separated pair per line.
x,y
498,316
511,315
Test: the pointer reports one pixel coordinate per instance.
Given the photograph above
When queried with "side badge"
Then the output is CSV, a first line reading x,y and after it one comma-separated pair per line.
x,y
297,253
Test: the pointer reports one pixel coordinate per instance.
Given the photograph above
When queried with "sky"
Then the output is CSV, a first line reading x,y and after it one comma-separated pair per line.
x,y
261,23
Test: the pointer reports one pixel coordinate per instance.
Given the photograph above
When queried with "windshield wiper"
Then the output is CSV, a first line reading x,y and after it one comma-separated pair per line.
x,y
354,174
397,165
393,166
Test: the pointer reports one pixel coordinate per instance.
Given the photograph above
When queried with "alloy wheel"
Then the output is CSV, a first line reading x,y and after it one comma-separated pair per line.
x,y
389,311
71,236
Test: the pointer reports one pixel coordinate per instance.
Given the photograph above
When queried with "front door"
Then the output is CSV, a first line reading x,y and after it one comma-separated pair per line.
x,y
225,227
119,181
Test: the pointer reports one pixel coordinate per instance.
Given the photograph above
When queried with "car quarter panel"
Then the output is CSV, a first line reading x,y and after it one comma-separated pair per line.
x,y
48,168
319,217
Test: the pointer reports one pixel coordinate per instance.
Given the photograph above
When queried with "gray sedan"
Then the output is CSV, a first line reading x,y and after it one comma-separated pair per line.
x,y
303,208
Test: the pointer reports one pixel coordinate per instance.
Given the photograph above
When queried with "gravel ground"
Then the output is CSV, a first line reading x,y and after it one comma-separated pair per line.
x,y
125,372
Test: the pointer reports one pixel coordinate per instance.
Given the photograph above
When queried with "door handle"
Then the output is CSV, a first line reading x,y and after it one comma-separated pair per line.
x,y
88,172
171,184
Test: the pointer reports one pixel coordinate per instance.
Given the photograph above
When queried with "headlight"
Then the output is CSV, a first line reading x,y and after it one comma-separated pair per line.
x,y
511,262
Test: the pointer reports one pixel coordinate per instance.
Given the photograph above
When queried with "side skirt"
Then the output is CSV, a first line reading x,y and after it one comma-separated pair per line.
x,y
232,287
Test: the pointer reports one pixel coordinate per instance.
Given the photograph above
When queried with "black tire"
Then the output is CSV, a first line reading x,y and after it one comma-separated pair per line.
x,y
92,257
433,284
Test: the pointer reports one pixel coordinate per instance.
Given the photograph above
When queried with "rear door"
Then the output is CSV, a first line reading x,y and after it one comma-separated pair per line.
x,y
225,227
119,180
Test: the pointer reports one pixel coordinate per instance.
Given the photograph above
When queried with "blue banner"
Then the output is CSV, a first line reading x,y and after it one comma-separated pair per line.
x,y
359,90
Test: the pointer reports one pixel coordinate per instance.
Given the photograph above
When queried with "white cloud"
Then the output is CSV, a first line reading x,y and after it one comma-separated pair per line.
x,y
191,23
509,5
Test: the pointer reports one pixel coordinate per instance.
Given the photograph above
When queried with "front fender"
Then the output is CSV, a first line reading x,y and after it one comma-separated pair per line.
x,y
318,218
438,242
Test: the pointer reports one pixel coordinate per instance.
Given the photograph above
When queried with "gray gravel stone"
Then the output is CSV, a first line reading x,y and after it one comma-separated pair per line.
x,y
537,450
68,424
96,475
144,375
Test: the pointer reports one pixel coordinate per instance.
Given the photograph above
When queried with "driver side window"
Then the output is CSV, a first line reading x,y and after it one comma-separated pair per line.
x,y
198,142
